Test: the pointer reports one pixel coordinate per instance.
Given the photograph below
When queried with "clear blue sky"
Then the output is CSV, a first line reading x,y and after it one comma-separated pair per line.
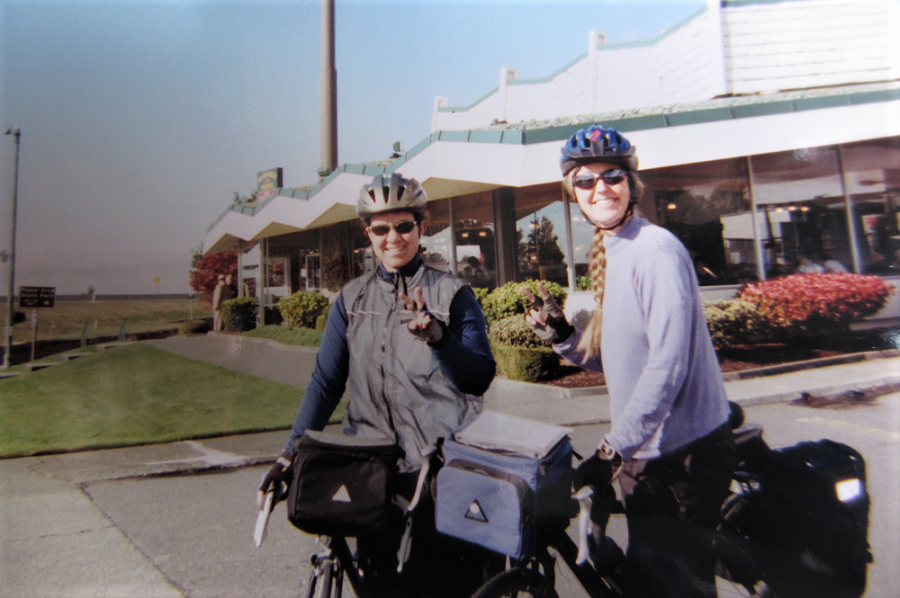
x,y
140,119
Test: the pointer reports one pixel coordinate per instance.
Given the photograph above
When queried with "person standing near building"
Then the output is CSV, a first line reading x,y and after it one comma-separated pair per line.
x,y
221,294
670,438
409,345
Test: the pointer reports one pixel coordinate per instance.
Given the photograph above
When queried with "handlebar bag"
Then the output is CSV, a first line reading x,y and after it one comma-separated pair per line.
x,y
342,485
498,499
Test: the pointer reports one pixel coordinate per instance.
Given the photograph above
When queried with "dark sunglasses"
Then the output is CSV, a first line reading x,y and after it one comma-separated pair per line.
x,y
402,228
613,176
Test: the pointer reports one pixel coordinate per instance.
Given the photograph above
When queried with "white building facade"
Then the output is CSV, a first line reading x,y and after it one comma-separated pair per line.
x,y
767,131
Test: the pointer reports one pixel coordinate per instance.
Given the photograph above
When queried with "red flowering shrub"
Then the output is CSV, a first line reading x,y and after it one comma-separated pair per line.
x,y
808,302
206,273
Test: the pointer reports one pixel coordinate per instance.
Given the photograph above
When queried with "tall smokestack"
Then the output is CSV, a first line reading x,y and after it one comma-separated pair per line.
x,y
328,92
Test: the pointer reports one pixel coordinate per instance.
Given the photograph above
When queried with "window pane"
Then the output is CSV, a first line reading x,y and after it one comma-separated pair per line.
x,y
437,242
873,183
540,237
801,212
475,253
707,206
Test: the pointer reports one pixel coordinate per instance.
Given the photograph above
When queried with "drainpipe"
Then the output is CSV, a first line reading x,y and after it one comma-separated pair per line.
x,y
328,92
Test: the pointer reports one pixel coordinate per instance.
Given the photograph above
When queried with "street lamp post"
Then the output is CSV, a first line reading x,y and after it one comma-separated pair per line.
x,y
12,254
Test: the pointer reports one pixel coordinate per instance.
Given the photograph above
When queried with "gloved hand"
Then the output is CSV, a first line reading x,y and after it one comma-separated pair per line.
x,y
593,471
546,317
424,325
279,474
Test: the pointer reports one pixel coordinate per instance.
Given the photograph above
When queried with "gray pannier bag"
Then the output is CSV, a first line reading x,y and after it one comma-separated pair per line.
x,y
499,493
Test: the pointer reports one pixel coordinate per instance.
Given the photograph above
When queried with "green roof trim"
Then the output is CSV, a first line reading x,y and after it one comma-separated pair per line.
x,y
697,117
735,3
561,129
884,95
453,135
763,109
821,102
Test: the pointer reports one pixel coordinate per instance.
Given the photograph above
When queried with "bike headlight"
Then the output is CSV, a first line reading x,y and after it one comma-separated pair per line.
x,y
847,490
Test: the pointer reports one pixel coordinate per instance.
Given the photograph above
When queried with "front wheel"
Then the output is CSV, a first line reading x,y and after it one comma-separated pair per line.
x,y
516,583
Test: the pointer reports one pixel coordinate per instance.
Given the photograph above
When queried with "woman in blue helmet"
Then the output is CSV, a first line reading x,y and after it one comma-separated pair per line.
x,y
670,434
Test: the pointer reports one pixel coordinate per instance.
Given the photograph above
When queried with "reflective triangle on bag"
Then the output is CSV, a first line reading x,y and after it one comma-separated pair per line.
x,y
342,495
475,513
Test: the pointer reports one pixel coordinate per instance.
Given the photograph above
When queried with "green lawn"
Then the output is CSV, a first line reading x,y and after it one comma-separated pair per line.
x,y
134,395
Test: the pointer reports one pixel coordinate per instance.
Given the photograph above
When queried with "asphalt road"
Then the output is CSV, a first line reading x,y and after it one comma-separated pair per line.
x,y
196,529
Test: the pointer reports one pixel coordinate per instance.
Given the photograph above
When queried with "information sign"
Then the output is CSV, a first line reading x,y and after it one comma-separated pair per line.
x,y
37,296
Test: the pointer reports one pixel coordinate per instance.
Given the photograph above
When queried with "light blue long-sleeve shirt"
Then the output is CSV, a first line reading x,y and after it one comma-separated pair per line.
x,y
664,380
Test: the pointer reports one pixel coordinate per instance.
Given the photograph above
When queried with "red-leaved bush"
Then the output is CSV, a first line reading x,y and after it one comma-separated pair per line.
x,y
812,301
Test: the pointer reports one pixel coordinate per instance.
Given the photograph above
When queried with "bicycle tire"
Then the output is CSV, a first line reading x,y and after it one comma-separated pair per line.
x,y
516,583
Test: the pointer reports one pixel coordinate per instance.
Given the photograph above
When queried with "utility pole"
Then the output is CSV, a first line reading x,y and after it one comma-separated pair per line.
x,y
7,333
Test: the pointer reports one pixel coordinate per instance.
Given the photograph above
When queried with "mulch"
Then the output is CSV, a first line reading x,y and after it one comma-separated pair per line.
x,y
761,355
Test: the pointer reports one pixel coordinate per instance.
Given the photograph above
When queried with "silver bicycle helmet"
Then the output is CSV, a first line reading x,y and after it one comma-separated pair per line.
x,y
391,193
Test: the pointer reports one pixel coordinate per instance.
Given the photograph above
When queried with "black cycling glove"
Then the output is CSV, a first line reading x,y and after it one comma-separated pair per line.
x,y
279,474
546,317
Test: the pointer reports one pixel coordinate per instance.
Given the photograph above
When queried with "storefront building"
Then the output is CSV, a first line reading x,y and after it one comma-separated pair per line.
x,y
756,181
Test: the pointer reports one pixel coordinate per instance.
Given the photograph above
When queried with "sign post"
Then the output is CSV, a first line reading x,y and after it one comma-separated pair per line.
x,y
36,297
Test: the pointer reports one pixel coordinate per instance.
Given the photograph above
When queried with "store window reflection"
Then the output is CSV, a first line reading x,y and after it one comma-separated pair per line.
x,y
540,236
707,206
801,211
436,243
873,185
475,254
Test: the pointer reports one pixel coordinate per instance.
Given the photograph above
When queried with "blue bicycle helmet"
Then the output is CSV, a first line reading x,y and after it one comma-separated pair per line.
x,y
596,144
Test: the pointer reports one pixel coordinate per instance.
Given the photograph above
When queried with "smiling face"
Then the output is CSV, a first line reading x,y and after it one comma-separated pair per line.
x,y
604,205
395,249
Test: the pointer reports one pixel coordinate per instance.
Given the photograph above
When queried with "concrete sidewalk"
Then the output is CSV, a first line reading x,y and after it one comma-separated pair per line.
x,y
56,542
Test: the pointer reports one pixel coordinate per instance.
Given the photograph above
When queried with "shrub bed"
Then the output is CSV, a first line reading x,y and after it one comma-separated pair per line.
x,y
302,309
239,314
193,327
506,301
816,303
519,353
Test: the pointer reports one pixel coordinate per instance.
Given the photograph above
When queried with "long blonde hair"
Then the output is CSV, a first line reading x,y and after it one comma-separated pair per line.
x,y
590,338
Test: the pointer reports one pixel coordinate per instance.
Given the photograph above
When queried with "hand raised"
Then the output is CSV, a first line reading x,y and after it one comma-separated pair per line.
x,y
423,325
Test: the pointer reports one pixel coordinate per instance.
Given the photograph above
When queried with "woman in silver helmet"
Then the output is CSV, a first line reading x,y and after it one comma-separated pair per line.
x,y
408,343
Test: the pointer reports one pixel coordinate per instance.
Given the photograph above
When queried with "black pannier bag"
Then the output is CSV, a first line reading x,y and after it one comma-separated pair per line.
x,y
808,520
341,485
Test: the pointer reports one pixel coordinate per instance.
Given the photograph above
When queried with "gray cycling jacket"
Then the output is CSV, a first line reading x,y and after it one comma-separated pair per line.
x,y
396,385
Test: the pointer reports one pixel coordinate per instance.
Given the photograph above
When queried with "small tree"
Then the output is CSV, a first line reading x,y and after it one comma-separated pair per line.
x,y
207,270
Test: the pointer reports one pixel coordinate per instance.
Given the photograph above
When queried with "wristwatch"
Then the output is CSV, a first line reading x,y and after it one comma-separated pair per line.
x,y
606,451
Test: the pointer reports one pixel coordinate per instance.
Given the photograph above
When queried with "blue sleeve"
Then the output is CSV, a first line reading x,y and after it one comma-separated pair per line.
x,y
329,379
464,351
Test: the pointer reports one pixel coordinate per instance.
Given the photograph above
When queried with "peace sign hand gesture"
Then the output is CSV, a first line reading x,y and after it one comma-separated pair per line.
x,y
423,325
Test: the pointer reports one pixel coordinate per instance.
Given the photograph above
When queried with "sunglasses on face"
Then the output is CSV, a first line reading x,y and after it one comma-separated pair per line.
x,y
588,180
380,230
